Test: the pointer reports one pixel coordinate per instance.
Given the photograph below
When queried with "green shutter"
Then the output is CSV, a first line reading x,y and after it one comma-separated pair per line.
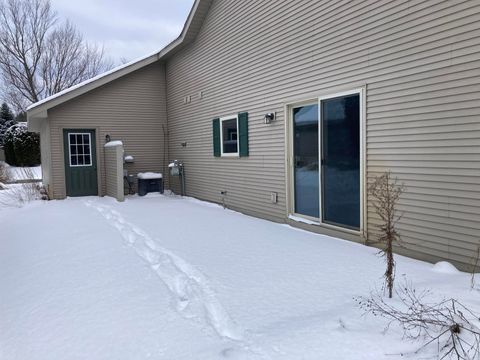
x,y
216,137
243,133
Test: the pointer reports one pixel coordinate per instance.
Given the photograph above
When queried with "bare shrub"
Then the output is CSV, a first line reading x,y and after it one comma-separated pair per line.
x,y
386,192
476,261
4,176
449,324
17,195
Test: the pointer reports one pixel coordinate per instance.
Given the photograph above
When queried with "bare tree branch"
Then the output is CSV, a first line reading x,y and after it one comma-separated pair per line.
x,y
39,58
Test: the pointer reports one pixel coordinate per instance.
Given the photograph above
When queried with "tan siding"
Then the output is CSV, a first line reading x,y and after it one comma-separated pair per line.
x,y
131,109
46,156
110,172
420,62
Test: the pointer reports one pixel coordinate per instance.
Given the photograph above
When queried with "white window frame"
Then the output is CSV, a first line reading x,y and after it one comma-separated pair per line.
x,y
291,164
222,119
70,149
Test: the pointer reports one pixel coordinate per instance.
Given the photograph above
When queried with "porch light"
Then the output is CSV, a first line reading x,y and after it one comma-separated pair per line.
x,y
269,117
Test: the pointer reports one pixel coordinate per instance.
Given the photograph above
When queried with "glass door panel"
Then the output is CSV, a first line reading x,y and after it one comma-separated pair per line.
x,y
305,157
341,161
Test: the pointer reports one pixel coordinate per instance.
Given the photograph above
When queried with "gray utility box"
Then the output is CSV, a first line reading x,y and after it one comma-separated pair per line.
x,y
149,182
176,168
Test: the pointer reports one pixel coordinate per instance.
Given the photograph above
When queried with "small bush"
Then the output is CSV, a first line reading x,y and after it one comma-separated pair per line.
x,y
22,148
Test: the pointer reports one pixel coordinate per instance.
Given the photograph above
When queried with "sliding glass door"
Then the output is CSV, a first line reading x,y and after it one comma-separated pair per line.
x,y
305,144
340,118
326,160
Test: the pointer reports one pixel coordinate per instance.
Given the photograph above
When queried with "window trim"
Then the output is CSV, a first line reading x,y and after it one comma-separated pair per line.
x,y
291,214
70,149
222,119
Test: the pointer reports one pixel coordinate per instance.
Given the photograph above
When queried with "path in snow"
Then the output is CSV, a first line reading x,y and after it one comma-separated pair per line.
x,y
193,297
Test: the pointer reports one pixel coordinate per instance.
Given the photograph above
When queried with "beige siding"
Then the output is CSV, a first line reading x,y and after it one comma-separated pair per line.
x,y
114,184
46,156
110,171
131,109
420,63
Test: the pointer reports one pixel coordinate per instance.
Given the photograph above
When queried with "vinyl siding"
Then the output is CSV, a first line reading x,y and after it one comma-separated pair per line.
x,y
110,171
419,62
131,109
46,156
114,186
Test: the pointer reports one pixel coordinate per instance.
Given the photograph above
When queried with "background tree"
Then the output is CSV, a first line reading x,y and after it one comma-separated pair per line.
x,y
38,56
6,120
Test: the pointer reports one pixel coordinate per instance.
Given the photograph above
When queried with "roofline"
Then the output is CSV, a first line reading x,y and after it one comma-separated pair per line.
x,y
38,111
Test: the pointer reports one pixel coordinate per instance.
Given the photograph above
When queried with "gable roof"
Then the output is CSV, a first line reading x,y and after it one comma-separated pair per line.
x,y
38,111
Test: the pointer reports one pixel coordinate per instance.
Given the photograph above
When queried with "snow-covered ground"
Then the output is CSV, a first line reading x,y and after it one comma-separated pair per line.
x,y
162,277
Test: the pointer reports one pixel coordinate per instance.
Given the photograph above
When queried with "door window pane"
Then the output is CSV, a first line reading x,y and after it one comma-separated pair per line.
x,y
305,157
341,161
80,149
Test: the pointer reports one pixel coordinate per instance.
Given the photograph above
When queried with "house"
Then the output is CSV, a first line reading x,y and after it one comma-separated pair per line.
x,y
285,110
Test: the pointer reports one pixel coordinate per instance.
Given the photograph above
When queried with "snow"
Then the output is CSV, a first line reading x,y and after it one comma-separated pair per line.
x,y
128,158
165,277
113,143
149,176
22,173
445,267
303,220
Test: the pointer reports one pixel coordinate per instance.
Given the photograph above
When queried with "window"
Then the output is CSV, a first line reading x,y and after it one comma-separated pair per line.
x,y
230,136
80,152
229,131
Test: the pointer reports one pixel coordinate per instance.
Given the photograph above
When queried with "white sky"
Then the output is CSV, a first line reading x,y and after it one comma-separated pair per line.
x,y
126,28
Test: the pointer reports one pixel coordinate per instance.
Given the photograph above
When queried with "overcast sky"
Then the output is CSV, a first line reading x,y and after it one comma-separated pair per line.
x,y
127,28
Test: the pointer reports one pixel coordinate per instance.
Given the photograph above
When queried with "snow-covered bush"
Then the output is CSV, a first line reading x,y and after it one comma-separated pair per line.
x,y
22,148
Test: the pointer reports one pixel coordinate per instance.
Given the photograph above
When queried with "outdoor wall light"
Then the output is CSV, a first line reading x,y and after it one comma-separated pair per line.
x,y
269,117
107,138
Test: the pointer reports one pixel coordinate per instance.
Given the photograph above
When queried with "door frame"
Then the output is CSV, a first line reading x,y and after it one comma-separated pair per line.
x,y
95,154
291,214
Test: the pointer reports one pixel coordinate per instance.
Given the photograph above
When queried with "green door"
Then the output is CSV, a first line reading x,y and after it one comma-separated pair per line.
x,y
80,162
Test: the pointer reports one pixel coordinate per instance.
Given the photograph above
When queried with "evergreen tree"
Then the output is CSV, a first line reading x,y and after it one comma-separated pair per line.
x,y
5,113
7,119
21,117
